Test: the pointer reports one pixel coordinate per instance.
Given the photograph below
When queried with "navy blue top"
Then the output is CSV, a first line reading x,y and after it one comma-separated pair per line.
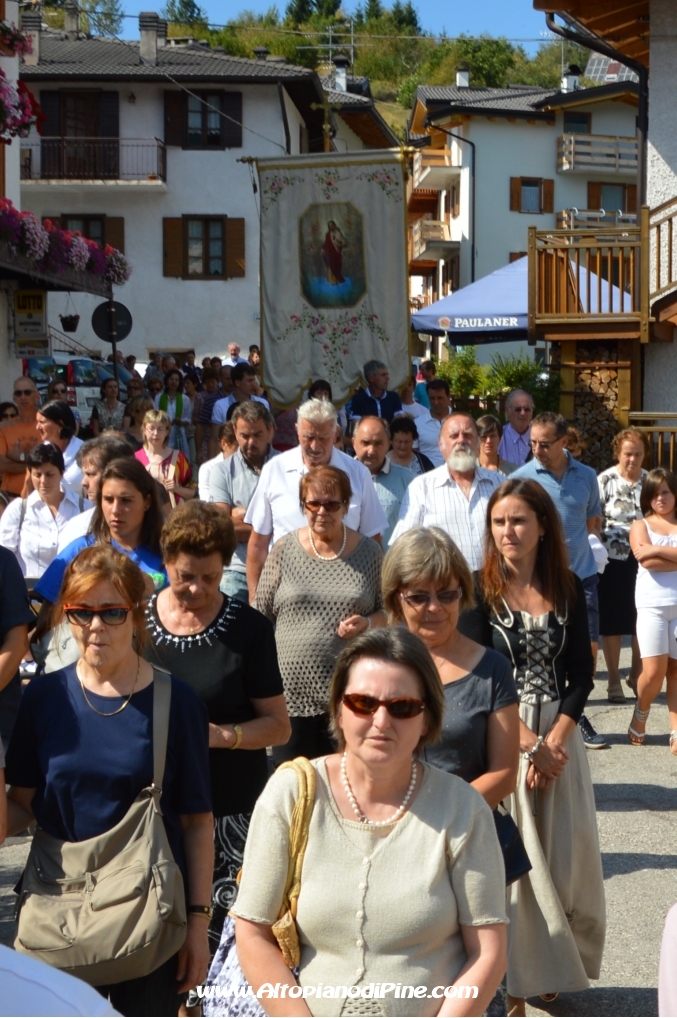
x,y
14,611
365,405
49,584
87,770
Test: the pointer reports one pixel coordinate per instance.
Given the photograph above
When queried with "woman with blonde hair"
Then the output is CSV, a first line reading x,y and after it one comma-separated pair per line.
x,y
166,465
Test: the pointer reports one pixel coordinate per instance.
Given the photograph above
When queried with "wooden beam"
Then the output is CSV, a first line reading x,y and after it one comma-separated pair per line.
x,y
568,377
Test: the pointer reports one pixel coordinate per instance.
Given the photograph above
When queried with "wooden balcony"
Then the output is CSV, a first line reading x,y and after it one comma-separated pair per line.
x,y
596,153
435,168
661,430
93,161
430,240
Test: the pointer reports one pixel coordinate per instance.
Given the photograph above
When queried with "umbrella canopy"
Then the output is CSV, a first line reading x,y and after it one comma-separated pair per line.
x,y
495,308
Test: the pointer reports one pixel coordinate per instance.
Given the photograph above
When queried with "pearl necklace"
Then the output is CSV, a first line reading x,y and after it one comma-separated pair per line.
x,y
363,819
329,558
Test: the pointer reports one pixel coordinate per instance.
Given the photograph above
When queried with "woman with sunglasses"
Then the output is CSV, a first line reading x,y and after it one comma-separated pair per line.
x,y
82,752
321,585
8,412
402,878
108,412
57,390
531,608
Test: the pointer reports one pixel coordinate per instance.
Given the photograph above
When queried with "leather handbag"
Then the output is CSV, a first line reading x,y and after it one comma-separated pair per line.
x,y
110,908
517,862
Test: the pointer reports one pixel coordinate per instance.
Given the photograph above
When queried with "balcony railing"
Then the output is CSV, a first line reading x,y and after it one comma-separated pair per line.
x,y
661,430
93,159
596,153
430,239
580,219
433,167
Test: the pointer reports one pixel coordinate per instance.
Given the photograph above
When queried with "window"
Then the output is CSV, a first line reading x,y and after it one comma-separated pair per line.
x,y
204,247
577,123
204,120
612,197
532,195
91,227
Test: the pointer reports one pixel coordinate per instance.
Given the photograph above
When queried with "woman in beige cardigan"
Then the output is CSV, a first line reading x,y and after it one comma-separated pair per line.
x,y
403,887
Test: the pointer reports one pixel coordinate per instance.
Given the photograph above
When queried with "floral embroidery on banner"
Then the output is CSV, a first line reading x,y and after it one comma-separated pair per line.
x,y
277,185
387,181
334,334
328,181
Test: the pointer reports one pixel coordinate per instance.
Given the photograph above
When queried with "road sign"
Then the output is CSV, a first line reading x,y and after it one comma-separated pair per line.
x,y
101,321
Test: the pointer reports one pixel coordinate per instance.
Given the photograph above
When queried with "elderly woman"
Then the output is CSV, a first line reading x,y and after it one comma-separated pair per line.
x,y
403,435
55,423
490,432
79,788
383,822
168,466
108,412
31,527
225,651
531,608
177,406
426,583
620,489
320,585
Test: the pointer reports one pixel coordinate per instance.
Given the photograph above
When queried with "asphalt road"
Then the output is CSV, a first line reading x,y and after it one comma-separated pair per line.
x,y
636,794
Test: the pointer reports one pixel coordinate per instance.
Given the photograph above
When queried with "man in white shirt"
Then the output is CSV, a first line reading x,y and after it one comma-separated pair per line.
x,y
245,383
430,423
453,497
233,357
275,509
515,443
93,458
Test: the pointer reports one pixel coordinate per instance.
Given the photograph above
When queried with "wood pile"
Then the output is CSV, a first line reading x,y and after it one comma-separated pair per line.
x,y
596,399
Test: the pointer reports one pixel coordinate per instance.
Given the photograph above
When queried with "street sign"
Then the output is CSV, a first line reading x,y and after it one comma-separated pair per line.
x,y
30,323
101,321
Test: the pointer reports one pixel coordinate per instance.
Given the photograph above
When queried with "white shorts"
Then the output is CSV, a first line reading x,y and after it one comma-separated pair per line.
x,y
657,631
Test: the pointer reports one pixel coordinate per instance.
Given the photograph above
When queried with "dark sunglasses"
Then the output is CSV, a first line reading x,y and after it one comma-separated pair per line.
x,y
9,415
445,597
115,616
23,392
61,391
402,708
314,506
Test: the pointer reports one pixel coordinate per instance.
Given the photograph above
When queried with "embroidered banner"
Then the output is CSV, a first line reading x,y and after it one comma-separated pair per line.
x,y
334,284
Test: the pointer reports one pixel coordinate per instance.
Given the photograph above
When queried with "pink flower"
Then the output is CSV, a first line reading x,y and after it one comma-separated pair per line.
x,y
315,321
295,318
354,320
374,318
325,347
345,351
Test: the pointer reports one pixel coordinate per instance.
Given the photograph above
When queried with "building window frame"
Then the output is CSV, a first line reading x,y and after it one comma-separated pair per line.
x,y
206,120
213,243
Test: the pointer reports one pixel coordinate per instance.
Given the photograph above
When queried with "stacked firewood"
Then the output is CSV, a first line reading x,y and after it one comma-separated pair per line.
x,y
595,400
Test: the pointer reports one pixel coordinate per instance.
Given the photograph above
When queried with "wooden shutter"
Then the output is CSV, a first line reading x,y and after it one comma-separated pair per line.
x,y
548,196
631,198
233,232
172,247
594,195
175,118
515,194
109,115
114,232
50,104
231,124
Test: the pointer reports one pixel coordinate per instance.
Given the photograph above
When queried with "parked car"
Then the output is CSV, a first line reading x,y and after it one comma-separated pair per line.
x,y
83,387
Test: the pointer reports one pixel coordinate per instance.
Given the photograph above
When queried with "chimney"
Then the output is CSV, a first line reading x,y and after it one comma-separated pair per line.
x,y
161,33
148,33
31,25
341,63
571,78
71,19
261,52
463,76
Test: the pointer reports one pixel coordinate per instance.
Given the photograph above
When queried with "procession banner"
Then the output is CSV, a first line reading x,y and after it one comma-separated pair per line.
x,y
334,283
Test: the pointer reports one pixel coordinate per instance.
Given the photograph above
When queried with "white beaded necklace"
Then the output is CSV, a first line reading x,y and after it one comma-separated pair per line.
x,y
363,819
335,555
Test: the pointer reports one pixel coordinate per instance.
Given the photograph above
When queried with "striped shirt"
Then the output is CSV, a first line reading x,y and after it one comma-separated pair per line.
x,y
435,500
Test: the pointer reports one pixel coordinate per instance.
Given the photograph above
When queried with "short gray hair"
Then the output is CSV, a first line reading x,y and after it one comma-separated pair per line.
x,y
517,392
317,411
371,367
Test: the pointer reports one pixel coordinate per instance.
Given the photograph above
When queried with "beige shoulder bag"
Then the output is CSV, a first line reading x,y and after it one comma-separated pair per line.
x,y
110,908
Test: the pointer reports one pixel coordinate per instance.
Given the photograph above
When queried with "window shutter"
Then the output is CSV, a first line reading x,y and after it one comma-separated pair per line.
x,y
548,196
50,105
594,195
515,194
109,115
114,232
175,118
172,247
231,124
631,198
233,231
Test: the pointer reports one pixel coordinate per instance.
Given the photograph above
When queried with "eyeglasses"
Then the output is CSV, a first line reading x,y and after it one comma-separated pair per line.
x,y
535,444
402,708
314,506
115,616
445,597
521,410
59,392
23,392
9,415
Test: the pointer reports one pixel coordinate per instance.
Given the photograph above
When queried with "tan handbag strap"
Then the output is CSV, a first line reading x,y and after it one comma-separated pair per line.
x,y
162,698
298,829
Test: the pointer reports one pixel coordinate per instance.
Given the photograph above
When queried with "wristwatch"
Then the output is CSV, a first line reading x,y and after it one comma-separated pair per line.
x,y
201,910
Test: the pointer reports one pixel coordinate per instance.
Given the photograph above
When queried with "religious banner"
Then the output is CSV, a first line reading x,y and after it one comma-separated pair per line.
x,y
334,284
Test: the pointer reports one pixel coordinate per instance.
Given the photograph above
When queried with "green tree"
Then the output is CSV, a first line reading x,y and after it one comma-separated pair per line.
x,y
545,67
373,10
518,371
465,376
99,17
184,12
298,12
327,9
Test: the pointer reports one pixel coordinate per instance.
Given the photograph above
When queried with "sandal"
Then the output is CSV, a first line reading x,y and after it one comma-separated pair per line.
x,y
615,694
637,738
673,740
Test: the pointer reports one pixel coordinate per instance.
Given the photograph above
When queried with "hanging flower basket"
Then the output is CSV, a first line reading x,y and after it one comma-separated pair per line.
x,y
69,323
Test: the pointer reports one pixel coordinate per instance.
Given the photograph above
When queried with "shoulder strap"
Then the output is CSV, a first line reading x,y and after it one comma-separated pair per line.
x,y
298,828
162,698
22,514
164,402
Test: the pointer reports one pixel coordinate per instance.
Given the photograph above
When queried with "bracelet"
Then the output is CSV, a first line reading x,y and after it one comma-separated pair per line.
x,y
203,911
535,748
238,736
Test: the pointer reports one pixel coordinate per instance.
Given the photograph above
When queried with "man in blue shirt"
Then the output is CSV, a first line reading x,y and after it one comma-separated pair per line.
x,y
371,442
574,490
515,441
376,400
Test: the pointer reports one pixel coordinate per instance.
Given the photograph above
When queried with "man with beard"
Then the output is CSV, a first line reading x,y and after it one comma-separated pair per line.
x,y
453,497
